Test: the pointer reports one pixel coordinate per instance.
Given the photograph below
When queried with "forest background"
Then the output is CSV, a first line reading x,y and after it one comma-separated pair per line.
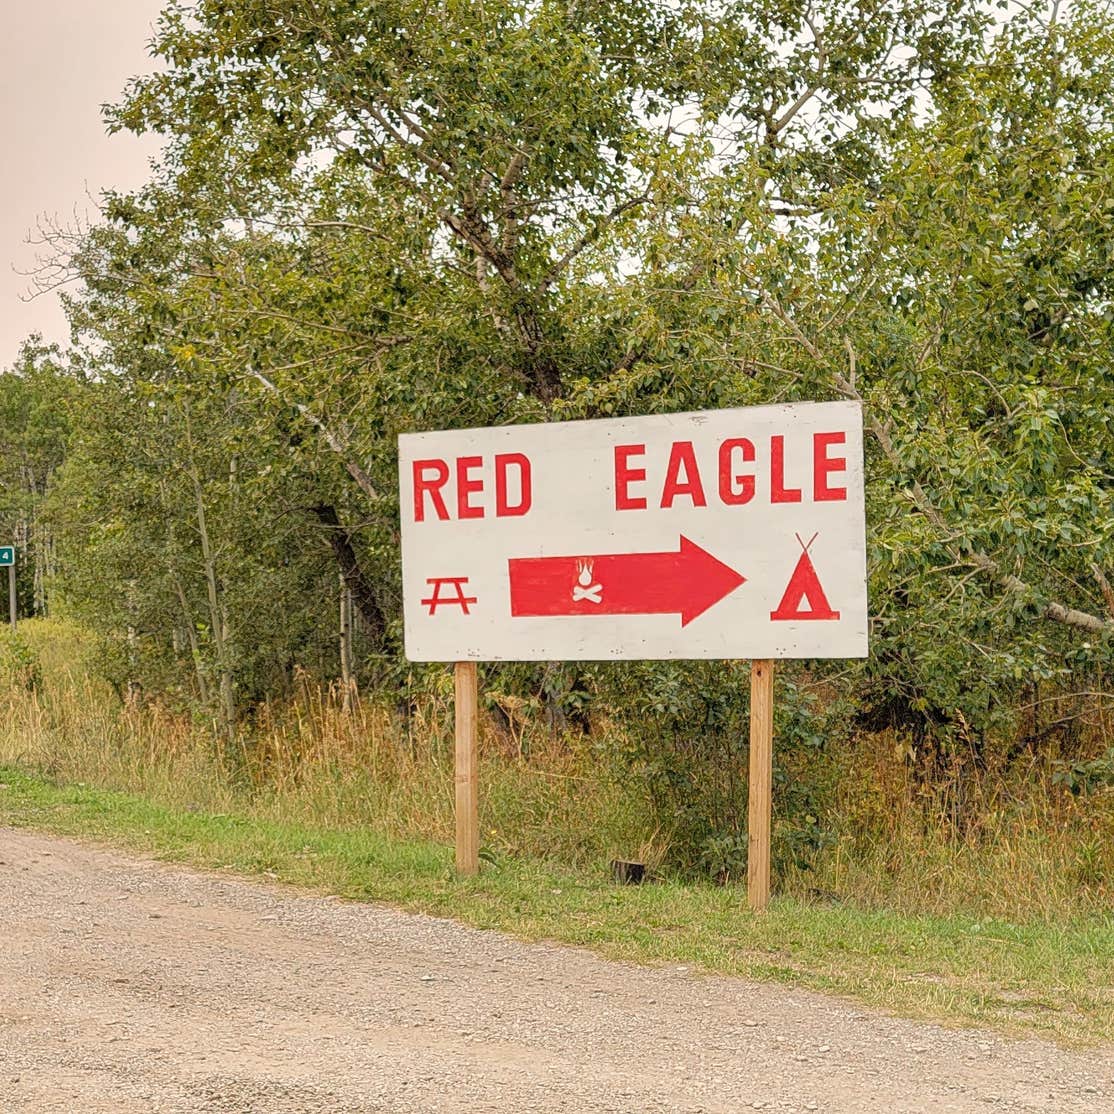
x,y
371,218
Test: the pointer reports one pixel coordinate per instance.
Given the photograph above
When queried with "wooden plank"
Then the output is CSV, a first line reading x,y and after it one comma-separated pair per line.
x,y
761,783
467,772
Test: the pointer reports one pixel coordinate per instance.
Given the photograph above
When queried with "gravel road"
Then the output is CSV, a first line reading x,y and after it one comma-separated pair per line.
x,y
128,985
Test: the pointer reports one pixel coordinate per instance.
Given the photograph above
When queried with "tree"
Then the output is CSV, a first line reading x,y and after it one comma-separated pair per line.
x,y
974,290
35,397
382,216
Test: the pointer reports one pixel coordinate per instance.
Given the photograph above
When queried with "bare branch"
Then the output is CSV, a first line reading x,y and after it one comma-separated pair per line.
x,y
439,167
776,127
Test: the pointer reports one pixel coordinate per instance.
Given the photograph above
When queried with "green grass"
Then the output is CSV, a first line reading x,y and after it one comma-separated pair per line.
x,y
1043,978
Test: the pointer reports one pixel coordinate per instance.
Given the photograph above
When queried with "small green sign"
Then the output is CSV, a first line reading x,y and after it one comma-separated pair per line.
x,y
7,555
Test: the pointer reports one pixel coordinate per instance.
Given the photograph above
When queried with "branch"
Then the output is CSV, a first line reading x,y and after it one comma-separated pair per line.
x,y
472,232
351,225
775,127
331,439
1104,585
589,237
439,167
365,597
508,240
1053,611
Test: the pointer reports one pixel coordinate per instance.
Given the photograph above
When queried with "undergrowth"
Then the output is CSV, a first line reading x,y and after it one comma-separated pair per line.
x,y
1026,845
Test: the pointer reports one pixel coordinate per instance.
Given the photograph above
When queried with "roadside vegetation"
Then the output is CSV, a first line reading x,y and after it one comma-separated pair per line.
x,y
1005,924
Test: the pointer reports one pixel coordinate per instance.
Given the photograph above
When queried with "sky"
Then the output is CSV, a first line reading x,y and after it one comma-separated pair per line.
x,y
60,60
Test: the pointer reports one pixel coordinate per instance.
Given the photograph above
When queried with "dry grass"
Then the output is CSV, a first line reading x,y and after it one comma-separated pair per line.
x,y
313,761
1026,849
1003,923
1020,846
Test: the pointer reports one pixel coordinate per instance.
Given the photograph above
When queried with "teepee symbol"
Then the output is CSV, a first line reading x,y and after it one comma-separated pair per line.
x,y
804,585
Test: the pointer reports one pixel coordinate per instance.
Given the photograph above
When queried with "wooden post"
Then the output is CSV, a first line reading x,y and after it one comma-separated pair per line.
x,y
466,774
761,783
11,594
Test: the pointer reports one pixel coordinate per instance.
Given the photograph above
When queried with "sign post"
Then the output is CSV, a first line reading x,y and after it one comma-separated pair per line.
x,y
7,557
760,775
467,770
732,534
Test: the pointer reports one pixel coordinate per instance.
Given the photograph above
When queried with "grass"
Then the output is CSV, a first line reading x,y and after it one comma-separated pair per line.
x,y
1008,927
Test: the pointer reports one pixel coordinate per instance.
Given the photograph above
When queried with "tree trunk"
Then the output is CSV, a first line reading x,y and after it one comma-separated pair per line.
x,y
217,617
195,646
347,673
363,594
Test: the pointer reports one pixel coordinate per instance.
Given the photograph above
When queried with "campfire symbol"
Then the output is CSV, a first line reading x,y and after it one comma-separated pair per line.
x,y
584,589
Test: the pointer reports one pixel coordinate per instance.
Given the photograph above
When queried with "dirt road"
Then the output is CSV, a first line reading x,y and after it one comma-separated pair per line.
x,y
128,985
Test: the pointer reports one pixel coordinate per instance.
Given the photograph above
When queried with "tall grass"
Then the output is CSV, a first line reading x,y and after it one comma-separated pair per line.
x,y
1027,848
310,760
1022,846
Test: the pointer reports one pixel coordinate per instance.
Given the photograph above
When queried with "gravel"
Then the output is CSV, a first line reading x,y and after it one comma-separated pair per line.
x,y
128,985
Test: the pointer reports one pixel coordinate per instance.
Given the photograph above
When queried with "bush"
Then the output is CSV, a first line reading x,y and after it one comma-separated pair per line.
x,y
19,664
689,740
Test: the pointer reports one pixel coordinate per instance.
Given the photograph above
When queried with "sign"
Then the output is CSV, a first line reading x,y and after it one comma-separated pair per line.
x,y
719,534
7,555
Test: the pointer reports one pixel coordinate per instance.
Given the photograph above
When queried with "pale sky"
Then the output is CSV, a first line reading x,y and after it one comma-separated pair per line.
x,y
60,60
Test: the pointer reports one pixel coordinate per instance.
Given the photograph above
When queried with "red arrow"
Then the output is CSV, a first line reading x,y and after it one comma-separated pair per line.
x,y
687,582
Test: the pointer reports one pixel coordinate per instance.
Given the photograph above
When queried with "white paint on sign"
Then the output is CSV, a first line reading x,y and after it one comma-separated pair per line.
x,y
718,534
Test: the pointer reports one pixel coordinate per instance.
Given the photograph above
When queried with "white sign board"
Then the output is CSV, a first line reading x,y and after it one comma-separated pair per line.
x,y
719,534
